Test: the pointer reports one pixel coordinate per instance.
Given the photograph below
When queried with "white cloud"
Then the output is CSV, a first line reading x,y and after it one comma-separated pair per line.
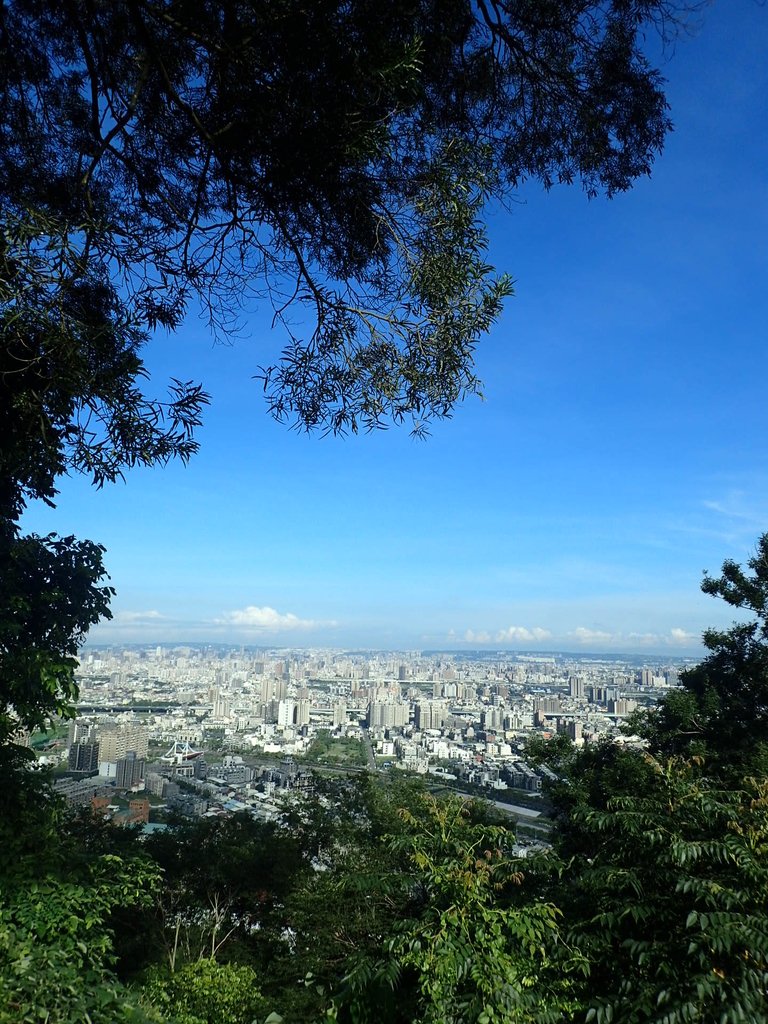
x,y
736,505
680,636
674,638
634,641
483,637
132,618
521,634
734,519
267,620
644,639
514,634
583,635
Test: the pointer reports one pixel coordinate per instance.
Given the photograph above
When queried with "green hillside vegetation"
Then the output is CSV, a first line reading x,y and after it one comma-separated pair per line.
x,y
374,900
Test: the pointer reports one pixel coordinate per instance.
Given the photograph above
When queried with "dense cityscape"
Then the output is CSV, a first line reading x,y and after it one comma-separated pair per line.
x,y
213,730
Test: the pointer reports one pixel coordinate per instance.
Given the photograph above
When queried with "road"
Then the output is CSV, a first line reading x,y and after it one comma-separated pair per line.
x,y
369,754
523,812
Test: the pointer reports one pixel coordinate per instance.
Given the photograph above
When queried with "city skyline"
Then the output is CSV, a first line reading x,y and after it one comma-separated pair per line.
x,y
615,458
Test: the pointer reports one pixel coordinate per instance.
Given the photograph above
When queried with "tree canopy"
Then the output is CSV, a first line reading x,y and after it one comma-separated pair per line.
x,y
334,157
721,712
664,843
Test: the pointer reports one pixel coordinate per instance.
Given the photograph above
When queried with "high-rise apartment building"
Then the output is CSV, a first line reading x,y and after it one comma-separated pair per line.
x,y
84,757
222,706
429,714
129,771
576,687
302,712
280,690
388,715
548,705
339,714
286,712
492,719
79,731
115,743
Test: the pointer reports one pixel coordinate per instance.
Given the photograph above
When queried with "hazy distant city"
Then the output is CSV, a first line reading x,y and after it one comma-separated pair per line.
x,y
212,730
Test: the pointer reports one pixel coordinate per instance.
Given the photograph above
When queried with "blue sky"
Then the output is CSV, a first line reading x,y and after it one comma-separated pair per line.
x,y
619,451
